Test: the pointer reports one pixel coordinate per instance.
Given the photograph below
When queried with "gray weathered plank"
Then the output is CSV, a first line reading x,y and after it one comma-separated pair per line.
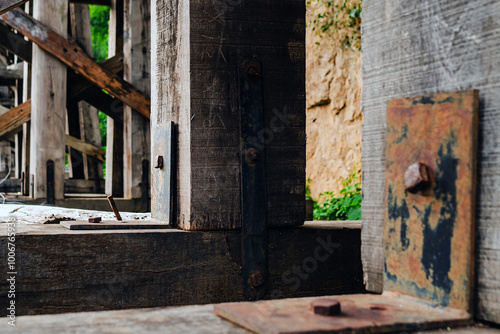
x,y
48,89
137,71
196,86
413,48
150,268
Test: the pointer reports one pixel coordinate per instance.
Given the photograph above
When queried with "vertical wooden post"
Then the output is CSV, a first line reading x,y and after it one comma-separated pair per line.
x,y
197,49
88,115
137,69
114,142
48,111
25,164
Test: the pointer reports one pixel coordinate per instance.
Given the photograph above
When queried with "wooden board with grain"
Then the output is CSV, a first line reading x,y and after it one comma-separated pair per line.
x,y
73,56
6,5
429,233
412,48
137,71
195,85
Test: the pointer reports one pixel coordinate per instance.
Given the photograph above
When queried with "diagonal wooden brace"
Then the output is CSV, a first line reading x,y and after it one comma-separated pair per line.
x,y
75,57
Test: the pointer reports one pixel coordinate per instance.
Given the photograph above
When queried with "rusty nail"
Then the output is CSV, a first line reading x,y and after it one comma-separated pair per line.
x,y
416,177
326,306
114,208
159,162
257,279
252,156
95,220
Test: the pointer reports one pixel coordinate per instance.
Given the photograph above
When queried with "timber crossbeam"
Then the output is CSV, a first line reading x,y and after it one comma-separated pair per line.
x,y
73,56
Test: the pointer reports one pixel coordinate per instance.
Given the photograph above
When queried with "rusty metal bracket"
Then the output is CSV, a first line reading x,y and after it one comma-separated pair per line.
x,y
431,149
253,181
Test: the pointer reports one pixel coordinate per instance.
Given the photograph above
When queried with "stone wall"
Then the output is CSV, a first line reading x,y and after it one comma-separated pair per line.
x,y
334,118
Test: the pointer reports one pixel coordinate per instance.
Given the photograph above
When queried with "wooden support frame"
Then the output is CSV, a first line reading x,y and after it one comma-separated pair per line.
x,y
199,93
137,71
73,56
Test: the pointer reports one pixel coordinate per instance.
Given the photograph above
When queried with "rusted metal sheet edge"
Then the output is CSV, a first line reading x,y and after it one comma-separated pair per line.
x,y
359,314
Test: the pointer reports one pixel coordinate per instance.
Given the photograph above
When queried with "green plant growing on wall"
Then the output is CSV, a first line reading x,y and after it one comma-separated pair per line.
x,y
347,206
338,16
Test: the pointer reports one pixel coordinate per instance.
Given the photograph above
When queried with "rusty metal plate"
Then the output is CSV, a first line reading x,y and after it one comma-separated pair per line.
x,y
429,225
6,5
359,314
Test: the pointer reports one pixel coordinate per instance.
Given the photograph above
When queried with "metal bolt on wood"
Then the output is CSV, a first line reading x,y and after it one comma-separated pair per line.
x,y
257,279
326,307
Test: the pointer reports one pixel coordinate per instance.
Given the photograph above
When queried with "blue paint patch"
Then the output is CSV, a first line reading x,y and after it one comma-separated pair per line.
x,y
437,241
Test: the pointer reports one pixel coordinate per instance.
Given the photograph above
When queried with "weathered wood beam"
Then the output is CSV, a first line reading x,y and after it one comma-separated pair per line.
x,y
14,71
79,84
87,114
93,2
201,95
114,137
15,43
12,120
6,5
86,148
137,71
48,97
75,57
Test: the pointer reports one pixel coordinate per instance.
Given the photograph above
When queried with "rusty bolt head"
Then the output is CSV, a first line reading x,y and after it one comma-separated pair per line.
x,y
252,156
417,177
95,220
253,72
326,306
159,162
257,279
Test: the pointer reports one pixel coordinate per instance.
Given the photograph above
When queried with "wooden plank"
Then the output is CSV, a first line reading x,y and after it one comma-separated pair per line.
x,y
82,187
86,148
25,164
88,115
48,108
13,119
202,267
15,43
200,94
6,5
113,225
429,231
137,71
78,84
192,319
93,2
428,56
114,137
75,57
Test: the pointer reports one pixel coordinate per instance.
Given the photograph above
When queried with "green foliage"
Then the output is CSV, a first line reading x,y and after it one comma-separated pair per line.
x,y
345,207
103,123
341,16
99,23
